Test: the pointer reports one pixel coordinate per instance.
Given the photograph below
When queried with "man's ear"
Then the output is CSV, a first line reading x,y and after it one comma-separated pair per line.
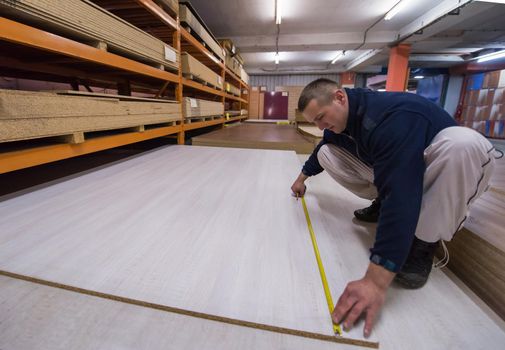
x,y
339,96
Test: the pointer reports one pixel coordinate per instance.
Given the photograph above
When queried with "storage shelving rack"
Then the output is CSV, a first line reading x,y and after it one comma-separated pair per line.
x,y
33,53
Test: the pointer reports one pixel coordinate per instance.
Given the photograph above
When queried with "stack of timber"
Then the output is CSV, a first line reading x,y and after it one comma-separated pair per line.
x,y
232,89
233,60
195,70
256,103
244,76
87,22
189,17
193,107
28,115
294,94
171,4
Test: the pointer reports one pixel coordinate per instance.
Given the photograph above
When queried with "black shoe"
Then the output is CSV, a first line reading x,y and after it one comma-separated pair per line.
x,y
370,214
414,273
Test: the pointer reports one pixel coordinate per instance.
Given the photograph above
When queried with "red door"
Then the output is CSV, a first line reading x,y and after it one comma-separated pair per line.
x,y
276,105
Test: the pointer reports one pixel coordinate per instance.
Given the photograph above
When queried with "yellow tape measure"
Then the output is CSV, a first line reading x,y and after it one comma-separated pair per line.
x,y
329,300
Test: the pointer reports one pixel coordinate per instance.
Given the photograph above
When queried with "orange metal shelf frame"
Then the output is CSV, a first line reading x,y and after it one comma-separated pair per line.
x,y
16,160
22,34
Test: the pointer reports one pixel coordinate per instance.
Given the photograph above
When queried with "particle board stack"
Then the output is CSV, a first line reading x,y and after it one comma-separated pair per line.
x,y
232,89
244,76
484,103
193,107
172,4
196,70
85,21
28,115
189,16
256,102
294,94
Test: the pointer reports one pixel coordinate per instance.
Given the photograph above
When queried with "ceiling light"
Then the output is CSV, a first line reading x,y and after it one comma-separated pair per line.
x,y
419,77
277,58
495,1
381,90
397,8
278,17
339,56
491,56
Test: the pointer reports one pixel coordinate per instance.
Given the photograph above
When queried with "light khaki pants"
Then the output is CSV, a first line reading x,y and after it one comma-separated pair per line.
x,y
459,163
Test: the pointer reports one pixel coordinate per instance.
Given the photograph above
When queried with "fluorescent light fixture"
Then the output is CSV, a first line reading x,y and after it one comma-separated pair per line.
x,y
277,58
337,57
278,17
491,56
495,1
419,77
394,11
381,90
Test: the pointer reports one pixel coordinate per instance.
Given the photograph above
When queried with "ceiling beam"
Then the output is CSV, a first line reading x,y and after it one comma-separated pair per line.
x,y
312,42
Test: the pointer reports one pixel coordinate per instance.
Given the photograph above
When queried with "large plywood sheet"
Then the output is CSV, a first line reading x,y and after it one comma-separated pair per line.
x,y
150,229
38,317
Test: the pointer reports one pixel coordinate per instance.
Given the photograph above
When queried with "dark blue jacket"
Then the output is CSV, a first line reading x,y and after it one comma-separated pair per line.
x,y
389,131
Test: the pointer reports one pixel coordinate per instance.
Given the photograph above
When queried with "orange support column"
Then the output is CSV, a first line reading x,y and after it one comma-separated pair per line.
x,y
398,68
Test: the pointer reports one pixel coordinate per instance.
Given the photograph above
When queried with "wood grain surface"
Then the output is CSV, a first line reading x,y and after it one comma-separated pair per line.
x,y
201,229
39,317
258,136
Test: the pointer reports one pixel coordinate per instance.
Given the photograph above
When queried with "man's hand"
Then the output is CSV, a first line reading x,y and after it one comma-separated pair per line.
x,y
298,186
363,296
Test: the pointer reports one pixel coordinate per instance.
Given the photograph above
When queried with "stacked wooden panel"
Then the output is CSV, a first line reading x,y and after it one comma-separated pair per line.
x,y
196,70
188,16
484,103
85,21
172,4
28,115
192,107
294,94
244,76
232,89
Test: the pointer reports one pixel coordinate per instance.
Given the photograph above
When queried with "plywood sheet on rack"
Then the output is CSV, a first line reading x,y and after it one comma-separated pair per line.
x,y
192,107
259,136
88,22
198,71
150,229
432,317
27,115
34,316
232,89
186,16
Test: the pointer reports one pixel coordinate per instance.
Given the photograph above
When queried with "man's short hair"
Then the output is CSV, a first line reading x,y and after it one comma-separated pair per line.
x,y
321,89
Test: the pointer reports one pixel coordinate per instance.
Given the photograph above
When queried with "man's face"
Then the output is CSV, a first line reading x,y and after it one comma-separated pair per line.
x,y
332,116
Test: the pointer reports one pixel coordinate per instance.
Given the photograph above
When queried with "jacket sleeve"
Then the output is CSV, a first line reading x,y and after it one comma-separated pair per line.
x,y
397,145
312,166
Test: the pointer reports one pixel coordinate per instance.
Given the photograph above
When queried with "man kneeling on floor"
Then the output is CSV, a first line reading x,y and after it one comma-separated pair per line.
x,y
421,170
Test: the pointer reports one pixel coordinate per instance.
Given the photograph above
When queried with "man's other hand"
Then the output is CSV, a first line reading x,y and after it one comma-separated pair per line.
x,y
365,296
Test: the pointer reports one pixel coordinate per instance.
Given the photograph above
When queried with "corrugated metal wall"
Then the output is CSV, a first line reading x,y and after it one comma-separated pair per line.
x,y
271,81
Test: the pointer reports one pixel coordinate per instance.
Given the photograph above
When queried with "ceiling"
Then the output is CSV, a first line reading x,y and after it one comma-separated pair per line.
x,y
312,33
